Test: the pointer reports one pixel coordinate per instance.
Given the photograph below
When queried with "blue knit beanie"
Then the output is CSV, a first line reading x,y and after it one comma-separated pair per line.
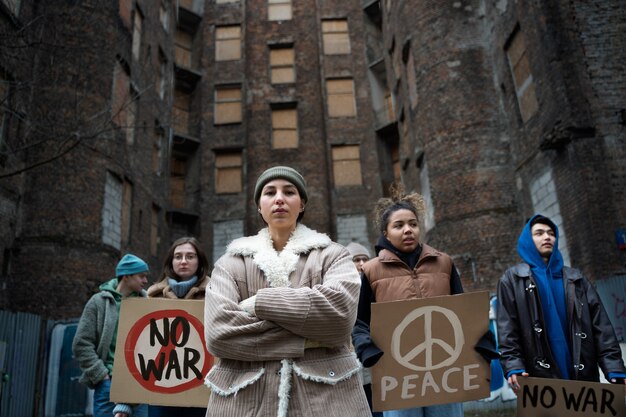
x,y
129,265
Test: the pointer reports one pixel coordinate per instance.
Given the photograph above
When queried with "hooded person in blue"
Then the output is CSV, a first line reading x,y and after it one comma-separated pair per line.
x,y
538,333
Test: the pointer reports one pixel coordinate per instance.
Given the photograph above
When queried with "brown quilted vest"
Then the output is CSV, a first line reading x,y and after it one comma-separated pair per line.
x,y
392,280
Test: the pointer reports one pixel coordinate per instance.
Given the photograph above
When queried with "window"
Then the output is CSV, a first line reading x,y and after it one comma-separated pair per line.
x,y
227,105
162,75
546,201
131,116
121,87
411,80
279,10
522,77
346,165
154,230
335,36
429,213
352,228
157,150
282,67
341,98
228,175
180,111
116,211
228,43
137,31
164,15
284,128
178,175
225,232
182,48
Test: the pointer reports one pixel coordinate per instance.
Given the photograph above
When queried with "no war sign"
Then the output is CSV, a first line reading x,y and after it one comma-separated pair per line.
x,y
542,397
429,351
161,357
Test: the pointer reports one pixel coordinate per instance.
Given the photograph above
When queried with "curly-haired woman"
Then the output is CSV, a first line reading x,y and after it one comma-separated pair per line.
x,y
404,269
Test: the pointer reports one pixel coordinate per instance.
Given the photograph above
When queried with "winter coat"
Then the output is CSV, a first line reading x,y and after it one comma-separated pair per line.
x,y
94,334
387,278
267,364
523,343
163,289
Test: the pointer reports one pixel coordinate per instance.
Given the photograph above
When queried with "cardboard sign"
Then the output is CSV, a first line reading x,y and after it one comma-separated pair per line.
x,y
160,354
543,397
429,351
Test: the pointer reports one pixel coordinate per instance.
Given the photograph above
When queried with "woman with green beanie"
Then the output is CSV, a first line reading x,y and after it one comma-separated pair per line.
x,y
96,335
279,310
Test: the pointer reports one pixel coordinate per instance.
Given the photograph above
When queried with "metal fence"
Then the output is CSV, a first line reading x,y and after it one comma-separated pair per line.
x,y
20,337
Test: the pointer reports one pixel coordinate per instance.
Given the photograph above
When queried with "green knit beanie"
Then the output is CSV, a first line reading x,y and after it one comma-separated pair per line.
x,y
282,172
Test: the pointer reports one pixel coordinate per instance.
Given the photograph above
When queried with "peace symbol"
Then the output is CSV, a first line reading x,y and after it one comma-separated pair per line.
x,y
427,346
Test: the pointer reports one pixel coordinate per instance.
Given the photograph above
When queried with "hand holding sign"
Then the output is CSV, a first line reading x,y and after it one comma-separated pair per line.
x,y
165,358
432,358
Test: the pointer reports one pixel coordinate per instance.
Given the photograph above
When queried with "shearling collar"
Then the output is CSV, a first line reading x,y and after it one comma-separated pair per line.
x,y
278,266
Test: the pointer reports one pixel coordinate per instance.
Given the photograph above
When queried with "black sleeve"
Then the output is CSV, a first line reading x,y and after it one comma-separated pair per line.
x,y
367,352
455,282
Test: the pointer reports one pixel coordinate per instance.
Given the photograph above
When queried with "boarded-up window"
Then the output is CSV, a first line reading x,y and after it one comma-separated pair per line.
x,y
522,77
228,43
336,37
183,43
341,98
227,105
284,128
180,111
279,10
228,172
282,65
137,31
178,174
121,88
346,165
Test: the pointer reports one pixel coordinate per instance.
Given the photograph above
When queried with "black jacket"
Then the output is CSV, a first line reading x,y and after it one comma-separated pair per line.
x,y
523,343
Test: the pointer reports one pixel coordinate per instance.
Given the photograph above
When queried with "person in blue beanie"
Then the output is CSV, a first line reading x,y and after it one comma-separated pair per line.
x,y
551,322
96,335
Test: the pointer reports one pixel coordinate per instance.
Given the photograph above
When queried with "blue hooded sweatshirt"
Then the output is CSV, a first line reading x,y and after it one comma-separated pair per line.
x,y
549,280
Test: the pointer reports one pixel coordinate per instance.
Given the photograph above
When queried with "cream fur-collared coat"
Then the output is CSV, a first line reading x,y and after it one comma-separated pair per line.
x,y
309,291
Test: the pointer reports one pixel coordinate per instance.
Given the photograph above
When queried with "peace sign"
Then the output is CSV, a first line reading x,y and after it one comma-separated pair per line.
x,y
426,347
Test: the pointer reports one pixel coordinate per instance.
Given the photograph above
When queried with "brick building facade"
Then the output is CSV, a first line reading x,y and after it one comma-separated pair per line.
x,y
491,111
